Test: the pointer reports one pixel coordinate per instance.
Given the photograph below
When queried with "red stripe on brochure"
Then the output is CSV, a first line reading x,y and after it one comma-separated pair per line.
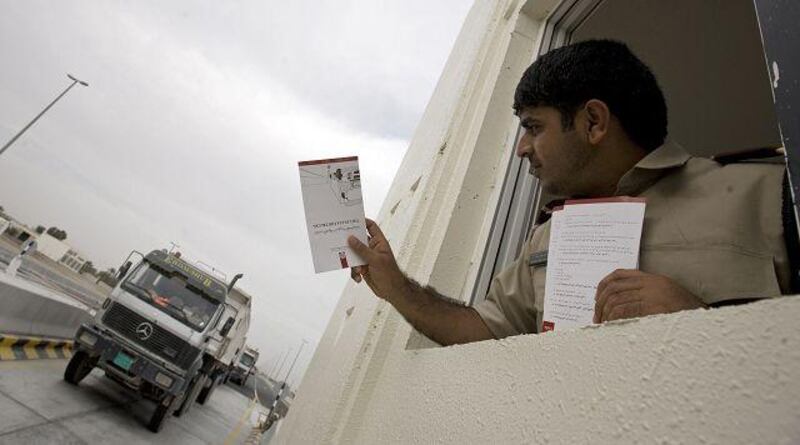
x,y
610,199
327,161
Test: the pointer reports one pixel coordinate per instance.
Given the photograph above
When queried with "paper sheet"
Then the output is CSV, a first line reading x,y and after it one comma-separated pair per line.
x,y
588,240
334,210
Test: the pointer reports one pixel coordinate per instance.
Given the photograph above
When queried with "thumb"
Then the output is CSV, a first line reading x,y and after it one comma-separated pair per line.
x,y
360,248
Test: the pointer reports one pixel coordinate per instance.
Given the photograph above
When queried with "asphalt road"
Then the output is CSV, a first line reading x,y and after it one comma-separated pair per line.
x,y
38,407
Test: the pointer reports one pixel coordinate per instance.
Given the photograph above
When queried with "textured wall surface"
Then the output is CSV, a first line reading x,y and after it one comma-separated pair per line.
x,y
728,376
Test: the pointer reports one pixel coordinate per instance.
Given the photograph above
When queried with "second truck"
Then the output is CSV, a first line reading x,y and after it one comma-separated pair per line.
x,y
245,366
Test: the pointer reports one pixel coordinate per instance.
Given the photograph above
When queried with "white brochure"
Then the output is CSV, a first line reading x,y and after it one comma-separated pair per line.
x,y
589,239
334,211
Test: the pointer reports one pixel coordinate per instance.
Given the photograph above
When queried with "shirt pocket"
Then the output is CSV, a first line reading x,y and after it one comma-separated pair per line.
x,y
714,273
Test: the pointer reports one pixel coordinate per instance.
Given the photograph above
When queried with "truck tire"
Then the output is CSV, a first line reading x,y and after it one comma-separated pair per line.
x,y
191,395
205,394
79,366
160,414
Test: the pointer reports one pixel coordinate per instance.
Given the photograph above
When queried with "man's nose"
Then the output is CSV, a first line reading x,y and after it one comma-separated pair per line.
x,y
523,146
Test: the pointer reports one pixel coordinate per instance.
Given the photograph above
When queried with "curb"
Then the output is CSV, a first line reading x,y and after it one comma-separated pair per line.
x,y
33,348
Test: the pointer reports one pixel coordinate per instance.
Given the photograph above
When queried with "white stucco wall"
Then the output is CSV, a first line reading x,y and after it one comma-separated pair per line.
x,y
724,376
720,376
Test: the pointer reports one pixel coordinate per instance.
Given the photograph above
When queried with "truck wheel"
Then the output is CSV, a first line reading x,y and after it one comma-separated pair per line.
x,y
205,394
160,414
191,395
79,366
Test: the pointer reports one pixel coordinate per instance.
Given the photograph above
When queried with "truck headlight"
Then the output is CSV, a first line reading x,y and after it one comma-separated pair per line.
x,y
88,338
163,380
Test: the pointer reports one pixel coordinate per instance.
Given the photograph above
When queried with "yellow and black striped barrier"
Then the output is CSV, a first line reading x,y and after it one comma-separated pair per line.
x,y
33,348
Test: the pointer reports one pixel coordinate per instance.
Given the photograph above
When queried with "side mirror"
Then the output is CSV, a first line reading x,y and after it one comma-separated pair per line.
x,y
123,270
227,327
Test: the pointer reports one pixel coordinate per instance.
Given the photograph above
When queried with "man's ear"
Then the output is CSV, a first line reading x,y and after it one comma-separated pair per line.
x,y
598,118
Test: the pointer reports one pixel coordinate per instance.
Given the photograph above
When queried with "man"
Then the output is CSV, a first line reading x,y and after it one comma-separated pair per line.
x,y
595,123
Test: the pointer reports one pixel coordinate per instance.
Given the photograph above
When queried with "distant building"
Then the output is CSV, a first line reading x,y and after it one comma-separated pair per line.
x,y
60,252
73,260
51,247
19,231
54,249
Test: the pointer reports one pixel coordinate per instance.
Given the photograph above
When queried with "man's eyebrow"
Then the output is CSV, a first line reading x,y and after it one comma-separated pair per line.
x,y
529,121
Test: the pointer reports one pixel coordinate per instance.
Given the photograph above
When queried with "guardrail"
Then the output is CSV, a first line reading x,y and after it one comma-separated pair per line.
x,y
32,348
28,310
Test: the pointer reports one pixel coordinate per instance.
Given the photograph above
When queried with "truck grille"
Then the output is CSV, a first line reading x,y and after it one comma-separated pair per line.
x,y
161,342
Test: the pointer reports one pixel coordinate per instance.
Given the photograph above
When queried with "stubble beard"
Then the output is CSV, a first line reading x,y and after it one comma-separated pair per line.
x,y
572,183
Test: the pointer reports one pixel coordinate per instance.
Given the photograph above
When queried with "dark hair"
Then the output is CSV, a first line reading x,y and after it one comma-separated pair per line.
x,y
565,78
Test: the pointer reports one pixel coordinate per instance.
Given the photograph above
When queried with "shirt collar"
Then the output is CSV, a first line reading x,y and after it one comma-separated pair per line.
x,y
651,168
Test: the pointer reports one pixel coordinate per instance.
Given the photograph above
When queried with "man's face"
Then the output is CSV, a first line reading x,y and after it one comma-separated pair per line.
x,y
558,157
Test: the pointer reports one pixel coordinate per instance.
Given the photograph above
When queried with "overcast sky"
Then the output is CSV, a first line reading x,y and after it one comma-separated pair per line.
x,y
193,122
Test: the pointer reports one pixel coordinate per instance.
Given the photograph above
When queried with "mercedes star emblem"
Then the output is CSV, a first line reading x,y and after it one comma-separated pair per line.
x,y
144,330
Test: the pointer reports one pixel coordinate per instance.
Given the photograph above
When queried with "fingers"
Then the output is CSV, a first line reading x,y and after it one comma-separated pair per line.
x,y
373,242
355,274
631,309
621,280
374,230
617,275
616,300
360,248
621,285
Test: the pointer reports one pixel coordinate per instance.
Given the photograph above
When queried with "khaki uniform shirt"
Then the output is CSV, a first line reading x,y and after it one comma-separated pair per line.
x,y
715,230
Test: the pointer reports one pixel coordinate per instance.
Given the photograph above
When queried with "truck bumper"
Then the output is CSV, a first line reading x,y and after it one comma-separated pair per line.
x,y
236,376
141,368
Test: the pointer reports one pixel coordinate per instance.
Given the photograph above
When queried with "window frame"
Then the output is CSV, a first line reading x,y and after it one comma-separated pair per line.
x,y
520,194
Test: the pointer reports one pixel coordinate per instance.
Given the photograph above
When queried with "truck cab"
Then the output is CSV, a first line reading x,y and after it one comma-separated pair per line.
x,y
244,366
151,334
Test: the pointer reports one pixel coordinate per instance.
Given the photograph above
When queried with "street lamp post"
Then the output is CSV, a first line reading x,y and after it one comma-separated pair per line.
x,y
272,416
283,360
289,372
16,136
274,365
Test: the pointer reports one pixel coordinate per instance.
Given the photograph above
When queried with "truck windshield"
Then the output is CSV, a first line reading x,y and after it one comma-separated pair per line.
x,y
247,360
172,295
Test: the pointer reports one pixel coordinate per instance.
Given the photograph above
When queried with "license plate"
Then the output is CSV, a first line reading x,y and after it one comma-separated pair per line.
x,y
123,360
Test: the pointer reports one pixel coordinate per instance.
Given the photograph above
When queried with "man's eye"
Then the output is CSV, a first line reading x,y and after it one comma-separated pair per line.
x,y
532,128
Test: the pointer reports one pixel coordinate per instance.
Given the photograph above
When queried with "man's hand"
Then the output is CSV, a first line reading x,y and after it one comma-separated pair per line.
x,y
381,272
628,293
441,319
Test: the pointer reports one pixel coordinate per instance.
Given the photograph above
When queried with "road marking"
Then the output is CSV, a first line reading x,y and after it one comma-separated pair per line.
x,y
14,347
235,432
50,350
6,353
29,349
255,401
